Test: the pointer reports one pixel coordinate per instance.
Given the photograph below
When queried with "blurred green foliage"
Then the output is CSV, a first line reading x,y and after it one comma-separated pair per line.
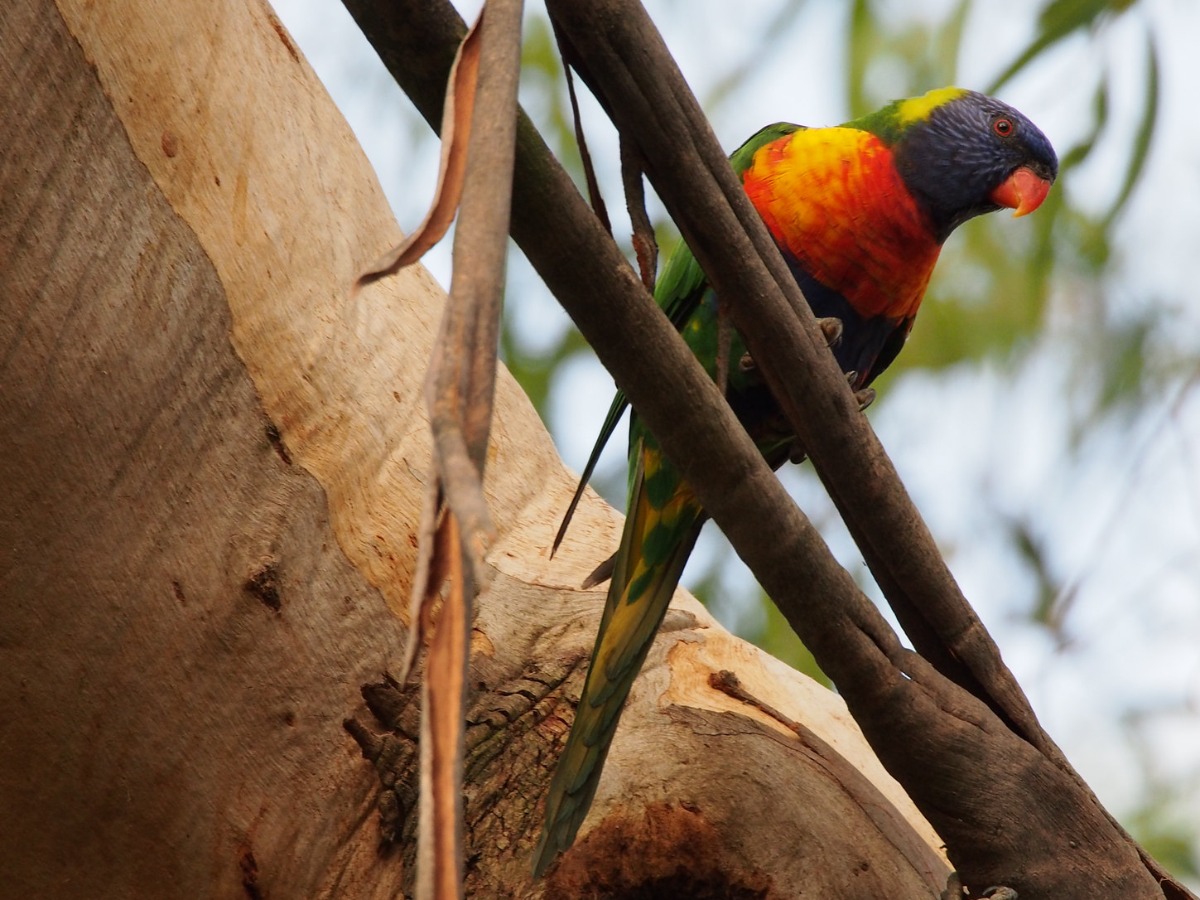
x,y
994,288
993,300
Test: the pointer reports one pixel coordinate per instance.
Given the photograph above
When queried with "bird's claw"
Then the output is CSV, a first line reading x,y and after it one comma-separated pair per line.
x,y
954,888
863,396
832,328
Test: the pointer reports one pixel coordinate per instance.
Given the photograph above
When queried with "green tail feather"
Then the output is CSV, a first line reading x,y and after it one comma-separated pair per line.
x,y
626,634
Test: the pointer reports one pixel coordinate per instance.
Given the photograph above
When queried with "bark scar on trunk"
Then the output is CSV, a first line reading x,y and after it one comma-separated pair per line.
x,y
264,586
515,729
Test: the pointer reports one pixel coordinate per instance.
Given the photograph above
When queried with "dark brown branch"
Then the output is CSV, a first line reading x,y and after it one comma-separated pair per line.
x,y
621,53
1002,806
652,104
645,245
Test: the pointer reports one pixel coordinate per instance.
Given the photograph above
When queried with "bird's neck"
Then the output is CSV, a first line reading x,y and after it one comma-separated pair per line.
x,y
834,201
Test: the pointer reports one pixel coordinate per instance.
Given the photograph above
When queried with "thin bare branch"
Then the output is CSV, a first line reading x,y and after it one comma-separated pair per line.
x,y
644,243
459,390
585,156
432,560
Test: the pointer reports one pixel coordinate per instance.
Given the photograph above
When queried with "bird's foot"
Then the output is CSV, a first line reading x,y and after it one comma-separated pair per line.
x,y
831,327
954,888
863,396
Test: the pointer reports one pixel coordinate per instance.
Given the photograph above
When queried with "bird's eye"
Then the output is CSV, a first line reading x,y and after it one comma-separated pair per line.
x,y
1003,126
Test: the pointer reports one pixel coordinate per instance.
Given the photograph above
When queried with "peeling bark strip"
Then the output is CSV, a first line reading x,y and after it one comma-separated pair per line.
x,y
456,135
477,163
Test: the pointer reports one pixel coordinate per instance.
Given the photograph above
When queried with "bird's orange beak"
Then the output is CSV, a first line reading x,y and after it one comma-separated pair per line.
x,y
1023,191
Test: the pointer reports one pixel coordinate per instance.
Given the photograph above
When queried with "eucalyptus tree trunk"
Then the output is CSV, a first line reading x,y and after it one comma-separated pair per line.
x,y
212,461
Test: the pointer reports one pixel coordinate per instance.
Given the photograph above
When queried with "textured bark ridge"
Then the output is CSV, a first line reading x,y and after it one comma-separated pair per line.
x,y
179,622
707,792
211,466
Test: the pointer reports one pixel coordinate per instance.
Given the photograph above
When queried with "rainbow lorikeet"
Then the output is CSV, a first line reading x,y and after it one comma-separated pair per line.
x,y
860,212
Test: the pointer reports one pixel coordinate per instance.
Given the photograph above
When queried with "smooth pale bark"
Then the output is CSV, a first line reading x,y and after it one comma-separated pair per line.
x,y
212,459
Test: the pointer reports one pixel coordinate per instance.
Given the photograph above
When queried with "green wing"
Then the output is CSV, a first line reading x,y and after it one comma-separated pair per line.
x,y
678,293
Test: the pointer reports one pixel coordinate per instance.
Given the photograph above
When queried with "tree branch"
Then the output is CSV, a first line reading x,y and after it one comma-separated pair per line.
x,y
1008,814
652,104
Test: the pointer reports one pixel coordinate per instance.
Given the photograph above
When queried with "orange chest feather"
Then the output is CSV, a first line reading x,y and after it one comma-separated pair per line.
x,y
833,199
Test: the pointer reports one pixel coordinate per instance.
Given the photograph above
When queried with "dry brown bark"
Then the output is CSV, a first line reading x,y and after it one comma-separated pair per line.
x,y
212,460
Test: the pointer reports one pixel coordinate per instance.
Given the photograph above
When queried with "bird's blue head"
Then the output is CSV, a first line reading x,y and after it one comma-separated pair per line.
x,y
962,153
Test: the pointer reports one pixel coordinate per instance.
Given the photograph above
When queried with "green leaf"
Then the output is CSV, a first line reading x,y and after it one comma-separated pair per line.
x,y
1059,19
1145,132
1078,153
860,46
